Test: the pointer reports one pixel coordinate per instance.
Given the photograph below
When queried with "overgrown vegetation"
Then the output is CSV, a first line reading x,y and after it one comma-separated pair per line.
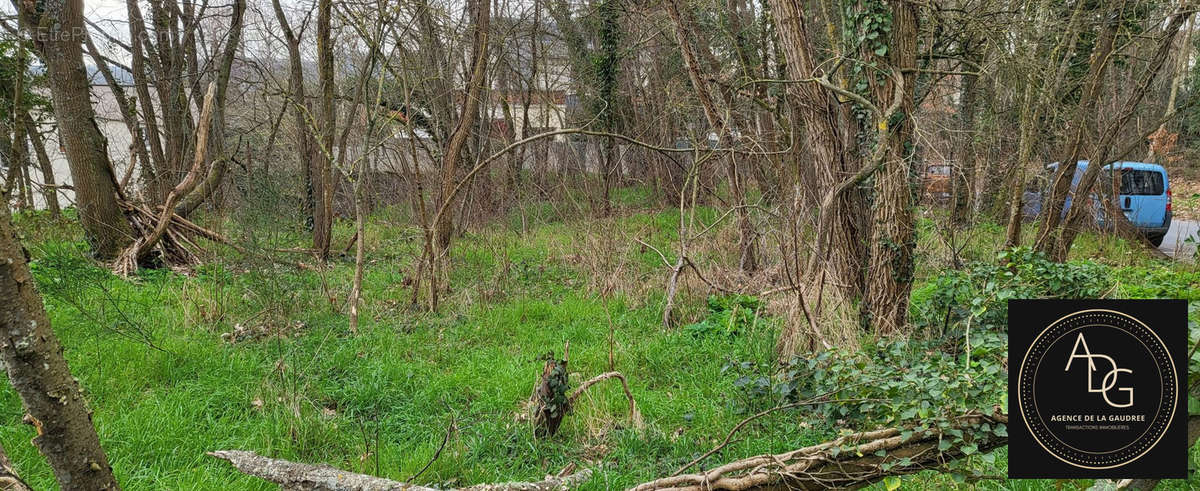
x,y
168,382
352,232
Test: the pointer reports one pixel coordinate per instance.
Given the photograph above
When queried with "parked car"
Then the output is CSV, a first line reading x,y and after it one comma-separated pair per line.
x,y
936,182
1144,195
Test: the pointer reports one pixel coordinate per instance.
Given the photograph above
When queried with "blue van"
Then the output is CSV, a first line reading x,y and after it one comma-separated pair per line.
x,y
1144,196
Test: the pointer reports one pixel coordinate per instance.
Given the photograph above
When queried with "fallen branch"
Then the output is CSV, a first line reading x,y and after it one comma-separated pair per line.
x,y
635,416
178,253
127,262
294,476
848,462
446,439
9,480
818,399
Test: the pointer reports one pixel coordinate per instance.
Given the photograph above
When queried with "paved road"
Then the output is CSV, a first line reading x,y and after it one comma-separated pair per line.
x,y
1173,244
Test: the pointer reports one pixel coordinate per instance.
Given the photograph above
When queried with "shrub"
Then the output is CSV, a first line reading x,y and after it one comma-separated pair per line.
x,y
728,315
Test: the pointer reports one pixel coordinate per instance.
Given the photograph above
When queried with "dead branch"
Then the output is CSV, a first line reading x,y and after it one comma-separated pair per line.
x,y
714,286
293,476
127,261
851,461
9,480
191,180
635,416
672,287
818,399
445,439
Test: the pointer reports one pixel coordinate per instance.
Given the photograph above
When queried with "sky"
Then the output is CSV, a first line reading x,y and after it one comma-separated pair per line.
x,y
104,9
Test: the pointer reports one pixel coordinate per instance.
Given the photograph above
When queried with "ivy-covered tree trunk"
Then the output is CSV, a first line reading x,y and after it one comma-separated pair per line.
x,y
890,269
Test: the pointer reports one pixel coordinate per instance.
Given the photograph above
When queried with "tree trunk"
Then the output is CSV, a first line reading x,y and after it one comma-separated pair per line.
x,y
56,27
155,165
124,104
885,303
444,220
1181,69
963,172
217,150
323,173
1016,185
1084,124
20,159
1035,100
16,162
49,192
1082,213
299,102
684,33
33,359
840,228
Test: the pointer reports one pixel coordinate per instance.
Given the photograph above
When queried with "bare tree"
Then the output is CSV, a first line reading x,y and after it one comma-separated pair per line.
x,y
56,28
684,32
326,126
480,12
49,192
217,152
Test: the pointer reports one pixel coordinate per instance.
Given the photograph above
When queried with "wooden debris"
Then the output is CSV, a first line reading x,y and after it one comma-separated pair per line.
x,y
635,416
155,233
851,461
294,476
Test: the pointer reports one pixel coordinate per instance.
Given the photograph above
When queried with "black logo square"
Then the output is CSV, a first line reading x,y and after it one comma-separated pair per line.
x,y
1097,389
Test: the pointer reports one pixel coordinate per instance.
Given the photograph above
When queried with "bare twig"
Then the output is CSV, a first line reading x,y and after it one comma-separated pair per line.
x,y
449,431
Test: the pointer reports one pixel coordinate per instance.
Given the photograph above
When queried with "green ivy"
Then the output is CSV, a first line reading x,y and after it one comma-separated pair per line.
x,y
980,292
729,315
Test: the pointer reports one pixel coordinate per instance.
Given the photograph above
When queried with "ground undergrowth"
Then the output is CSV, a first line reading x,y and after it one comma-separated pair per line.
x,y
245,354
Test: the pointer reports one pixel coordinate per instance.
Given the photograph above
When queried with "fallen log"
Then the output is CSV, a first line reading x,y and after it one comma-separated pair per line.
x,y
852,461
294,476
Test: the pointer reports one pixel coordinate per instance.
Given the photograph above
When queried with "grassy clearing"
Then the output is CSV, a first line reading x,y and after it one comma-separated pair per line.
x,y
166,387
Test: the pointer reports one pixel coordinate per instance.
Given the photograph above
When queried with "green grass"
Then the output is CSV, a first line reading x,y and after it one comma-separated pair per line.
x,y
166,388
